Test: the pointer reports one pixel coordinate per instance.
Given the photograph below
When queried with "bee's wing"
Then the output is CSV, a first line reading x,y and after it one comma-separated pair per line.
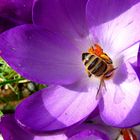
x,y
119,95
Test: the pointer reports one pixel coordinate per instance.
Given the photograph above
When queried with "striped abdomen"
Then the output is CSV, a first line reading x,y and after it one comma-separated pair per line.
x,y
94,64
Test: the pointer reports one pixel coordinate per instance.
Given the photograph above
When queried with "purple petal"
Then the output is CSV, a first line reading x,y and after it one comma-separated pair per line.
x,y
92,131
99,12
67,17
114,26
94,114
136,64
87,132
137,70
41,56
12,131
138,59
122,95
55,108
111,132
14,13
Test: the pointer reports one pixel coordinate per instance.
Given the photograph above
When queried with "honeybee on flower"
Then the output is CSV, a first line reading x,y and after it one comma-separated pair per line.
x,y
49,51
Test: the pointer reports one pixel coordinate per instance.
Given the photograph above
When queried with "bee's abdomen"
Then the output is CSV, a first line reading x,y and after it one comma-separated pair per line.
x,y
99,69
94,64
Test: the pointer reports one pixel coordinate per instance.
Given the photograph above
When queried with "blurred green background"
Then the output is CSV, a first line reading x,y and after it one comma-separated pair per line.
x,y
14,88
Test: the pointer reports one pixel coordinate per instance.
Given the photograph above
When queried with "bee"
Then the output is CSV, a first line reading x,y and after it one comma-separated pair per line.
x,y
98,63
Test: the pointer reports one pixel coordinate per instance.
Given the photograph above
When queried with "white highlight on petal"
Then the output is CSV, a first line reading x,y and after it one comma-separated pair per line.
x,y
51,137
1,138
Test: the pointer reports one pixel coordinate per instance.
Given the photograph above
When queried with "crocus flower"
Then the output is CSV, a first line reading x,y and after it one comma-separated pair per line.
x,y
49,51
13,13
12,131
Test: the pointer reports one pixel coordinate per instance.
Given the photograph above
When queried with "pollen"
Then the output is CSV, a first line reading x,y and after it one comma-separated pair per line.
x,y
95,49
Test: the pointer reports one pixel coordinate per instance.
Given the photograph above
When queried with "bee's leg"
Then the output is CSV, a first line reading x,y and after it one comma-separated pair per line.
x,y
109,74
99,93
89,74
104,84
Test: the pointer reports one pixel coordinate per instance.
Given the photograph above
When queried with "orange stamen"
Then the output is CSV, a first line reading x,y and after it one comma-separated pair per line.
x,y
128,134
